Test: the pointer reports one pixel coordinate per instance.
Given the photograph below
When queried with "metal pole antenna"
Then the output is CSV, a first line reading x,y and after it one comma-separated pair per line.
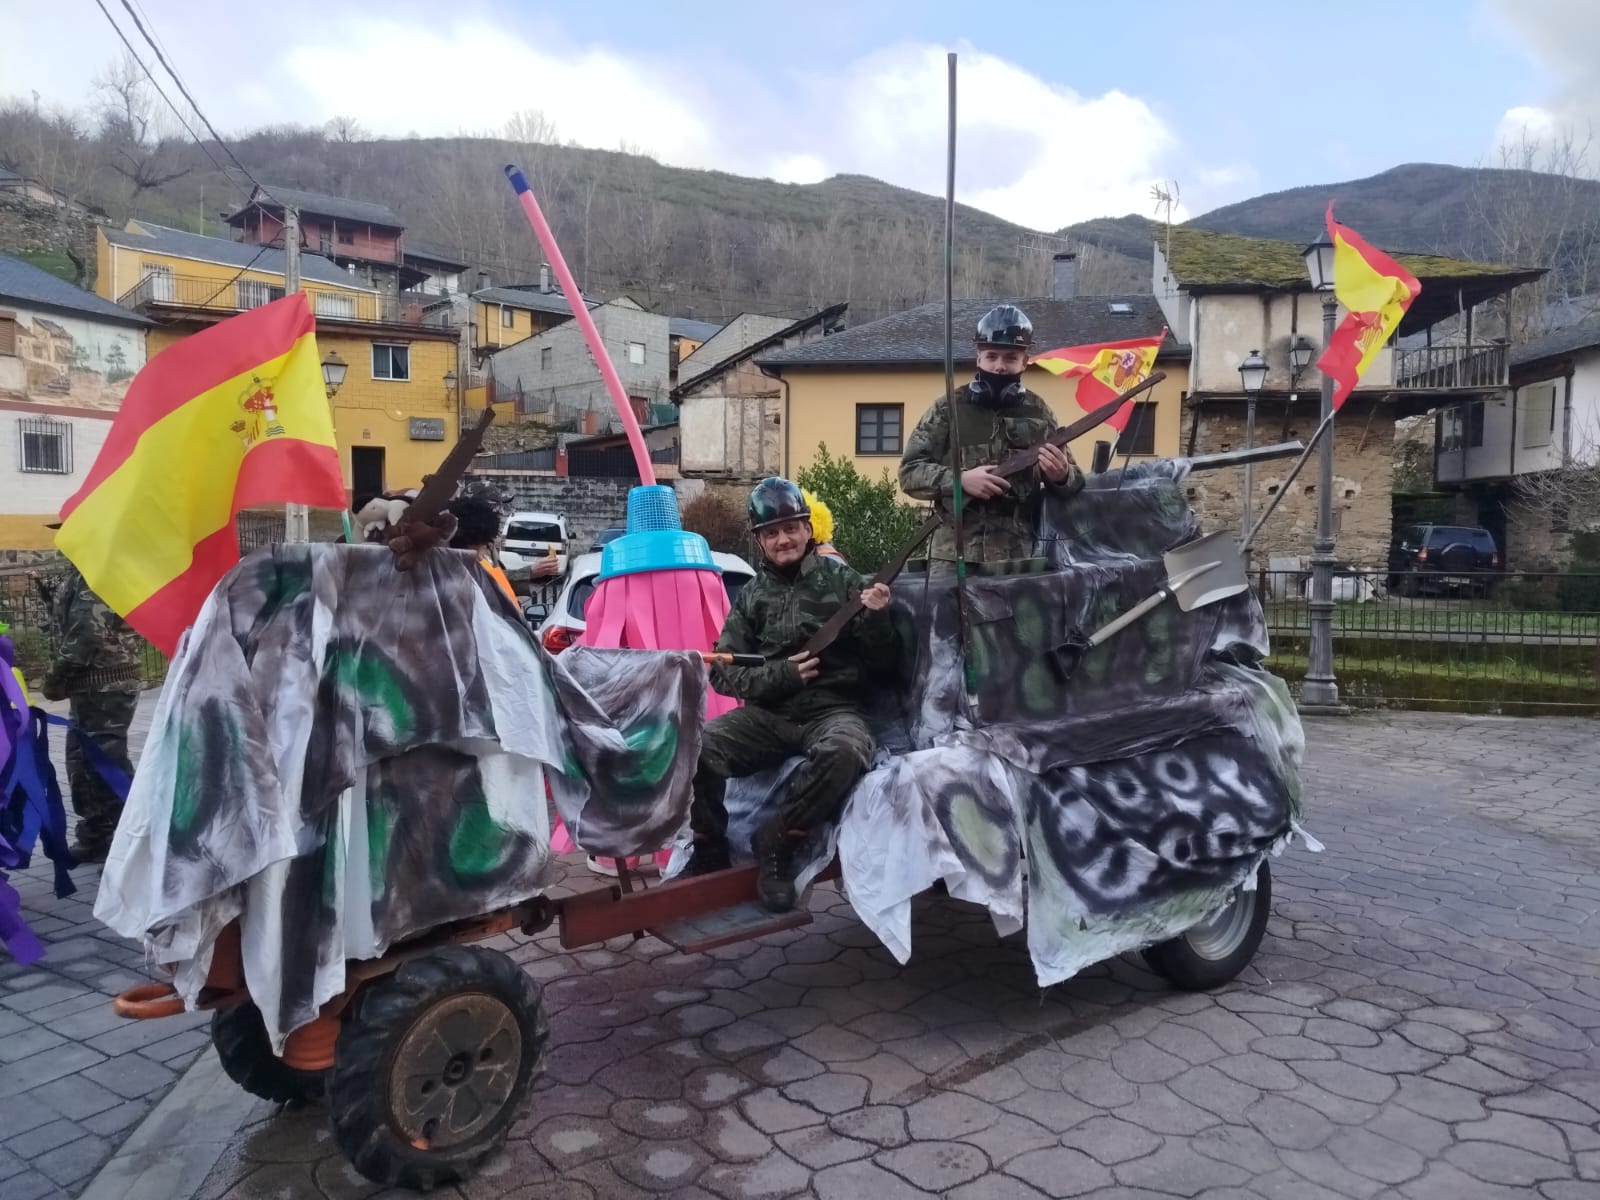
x,y
1320,691
956,498
296,517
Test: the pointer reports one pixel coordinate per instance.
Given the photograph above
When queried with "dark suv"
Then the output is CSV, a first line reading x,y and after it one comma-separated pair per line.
x,y
1444,557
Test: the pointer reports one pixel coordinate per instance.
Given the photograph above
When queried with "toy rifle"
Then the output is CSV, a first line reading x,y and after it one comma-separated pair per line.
x,y
1012,464
417,531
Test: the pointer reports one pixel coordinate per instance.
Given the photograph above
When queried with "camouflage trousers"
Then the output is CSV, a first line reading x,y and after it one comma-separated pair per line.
x,y
103,716
746,741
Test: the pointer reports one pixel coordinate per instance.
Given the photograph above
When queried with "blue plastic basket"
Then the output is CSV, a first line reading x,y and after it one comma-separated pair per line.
x,y
656,550
653,507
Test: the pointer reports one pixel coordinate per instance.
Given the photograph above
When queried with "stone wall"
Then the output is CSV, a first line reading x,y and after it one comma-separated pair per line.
x,y
1533,543
589,505
27,226
1363,470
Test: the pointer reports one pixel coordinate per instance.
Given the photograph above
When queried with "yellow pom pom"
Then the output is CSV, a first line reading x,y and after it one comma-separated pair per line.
x,y
821,518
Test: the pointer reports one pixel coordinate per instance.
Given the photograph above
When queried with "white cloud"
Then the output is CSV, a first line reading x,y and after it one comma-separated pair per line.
x,y
798,168
1562,37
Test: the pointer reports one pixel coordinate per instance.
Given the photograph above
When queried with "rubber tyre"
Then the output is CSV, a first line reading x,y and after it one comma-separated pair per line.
x,y
240,1036
486,1014
1188,963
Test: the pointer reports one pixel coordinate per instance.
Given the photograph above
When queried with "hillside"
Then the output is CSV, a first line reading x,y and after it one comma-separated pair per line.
x,y
710,244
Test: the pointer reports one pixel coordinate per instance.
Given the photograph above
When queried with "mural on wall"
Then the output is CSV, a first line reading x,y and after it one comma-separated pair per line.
x,y
75,363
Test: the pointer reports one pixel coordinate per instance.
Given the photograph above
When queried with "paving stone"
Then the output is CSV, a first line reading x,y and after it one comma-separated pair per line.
x,y
830,1093
1514,1129
934,1166
1343,1079
1288,1123
1175,1163
32,999
1441,1100
773,1176
32,1185
1213,1091
1239,1146
1328,1176
1258,1071
729,1138
130,1076
859,1180
1143,1062
76,1097
1509,1165
831,1044
1111,1140
34,1039
68,1165
1010,1136
1377,1158
1060,1171
950,1115
882,1125
820,1148
772,1113
661,1166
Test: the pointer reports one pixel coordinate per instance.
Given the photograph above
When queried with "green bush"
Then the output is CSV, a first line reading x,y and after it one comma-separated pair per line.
x,y
870,521
720,522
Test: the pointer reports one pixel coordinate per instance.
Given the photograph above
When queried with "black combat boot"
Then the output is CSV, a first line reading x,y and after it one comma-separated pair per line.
x,y
774,849
708,856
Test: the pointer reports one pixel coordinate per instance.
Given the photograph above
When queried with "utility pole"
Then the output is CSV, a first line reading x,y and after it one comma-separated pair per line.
x,y
296,520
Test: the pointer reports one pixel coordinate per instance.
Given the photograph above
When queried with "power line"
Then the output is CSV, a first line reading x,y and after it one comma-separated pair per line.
x,y
198,111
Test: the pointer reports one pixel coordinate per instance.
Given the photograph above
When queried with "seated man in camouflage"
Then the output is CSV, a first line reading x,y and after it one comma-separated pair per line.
x,y
998,415
797,704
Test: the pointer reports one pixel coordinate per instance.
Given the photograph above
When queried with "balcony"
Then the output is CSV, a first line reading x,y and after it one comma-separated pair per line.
x,y
162,293
1473,366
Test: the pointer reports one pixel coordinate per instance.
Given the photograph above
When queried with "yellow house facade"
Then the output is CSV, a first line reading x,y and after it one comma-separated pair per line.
x,y
394,414
503,316
859,393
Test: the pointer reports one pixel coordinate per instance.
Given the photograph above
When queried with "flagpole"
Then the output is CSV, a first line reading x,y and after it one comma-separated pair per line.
x,y
1319,693
296,521
956,498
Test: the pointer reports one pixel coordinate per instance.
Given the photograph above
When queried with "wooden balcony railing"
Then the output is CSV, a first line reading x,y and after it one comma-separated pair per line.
x,y
164,291
1474,366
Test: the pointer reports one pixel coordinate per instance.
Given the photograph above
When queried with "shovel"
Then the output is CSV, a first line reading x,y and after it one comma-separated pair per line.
x,y
1200,572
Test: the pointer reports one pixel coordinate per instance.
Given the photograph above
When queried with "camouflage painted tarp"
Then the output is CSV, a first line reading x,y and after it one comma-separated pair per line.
x,y
1115,804
345,755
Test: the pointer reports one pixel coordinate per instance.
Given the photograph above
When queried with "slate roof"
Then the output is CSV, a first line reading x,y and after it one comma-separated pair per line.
x,y
1585,335
339,207
916,336
696,331
159,239
822,316
427,253
550,302
25,284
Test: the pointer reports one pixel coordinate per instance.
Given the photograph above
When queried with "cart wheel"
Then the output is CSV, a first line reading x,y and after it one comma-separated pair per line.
x,y
240,1036
1214,951
430,1071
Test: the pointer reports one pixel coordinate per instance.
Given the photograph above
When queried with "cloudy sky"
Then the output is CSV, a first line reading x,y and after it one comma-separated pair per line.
x,y
1069,109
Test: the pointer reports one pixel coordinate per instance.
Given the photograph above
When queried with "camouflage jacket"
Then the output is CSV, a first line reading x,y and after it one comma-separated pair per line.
x,y
998,529
777,613
96,650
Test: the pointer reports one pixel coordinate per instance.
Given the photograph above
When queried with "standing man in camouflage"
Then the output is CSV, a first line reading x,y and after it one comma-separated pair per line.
x,y
98,669
797,703
998,415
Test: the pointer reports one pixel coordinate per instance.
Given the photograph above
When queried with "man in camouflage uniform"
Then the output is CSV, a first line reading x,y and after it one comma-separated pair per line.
x,y
97,668
998,416
797,703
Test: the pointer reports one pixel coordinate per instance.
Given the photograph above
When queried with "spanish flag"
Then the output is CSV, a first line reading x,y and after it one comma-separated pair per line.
x,y
1104,371
235,416
1376,291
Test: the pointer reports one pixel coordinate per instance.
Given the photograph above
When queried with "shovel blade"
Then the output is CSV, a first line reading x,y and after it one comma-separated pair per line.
x,y
1206,570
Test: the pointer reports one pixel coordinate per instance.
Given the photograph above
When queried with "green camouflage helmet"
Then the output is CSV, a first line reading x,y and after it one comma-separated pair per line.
x,y
774,501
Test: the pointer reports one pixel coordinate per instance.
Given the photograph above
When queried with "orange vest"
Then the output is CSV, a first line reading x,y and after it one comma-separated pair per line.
x,y
500,578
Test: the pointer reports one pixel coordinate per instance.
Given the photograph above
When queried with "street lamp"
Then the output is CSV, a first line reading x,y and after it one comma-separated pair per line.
x,y
1252,378
333,369
1320,691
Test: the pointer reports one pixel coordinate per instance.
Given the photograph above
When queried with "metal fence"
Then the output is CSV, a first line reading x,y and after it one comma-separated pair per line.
x,y
1514,642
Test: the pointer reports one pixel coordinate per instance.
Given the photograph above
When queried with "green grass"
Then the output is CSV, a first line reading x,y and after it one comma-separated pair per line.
x,y
1465,617
54,261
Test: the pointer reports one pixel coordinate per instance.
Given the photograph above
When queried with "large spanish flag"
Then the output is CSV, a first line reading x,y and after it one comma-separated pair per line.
x,y
1376,291
234,416
1105,370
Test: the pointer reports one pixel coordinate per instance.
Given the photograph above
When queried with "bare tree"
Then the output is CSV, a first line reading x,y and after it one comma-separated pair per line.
x,y
1569,495
136,130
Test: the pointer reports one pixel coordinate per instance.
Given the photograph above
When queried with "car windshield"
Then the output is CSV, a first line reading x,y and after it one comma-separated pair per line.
x,y
578,601
533,531
1443,535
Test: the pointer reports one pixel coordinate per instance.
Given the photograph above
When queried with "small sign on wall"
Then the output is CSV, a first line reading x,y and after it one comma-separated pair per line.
x,y
427,429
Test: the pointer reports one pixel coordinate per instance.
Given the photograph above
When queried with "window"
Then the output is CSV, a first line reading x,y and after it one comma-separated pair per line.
x,y
391,362
1475,424
547,357
8,333
253,293
333,304
508,317
1120,308
636,353
878,428
1461,427
1140,435
158,286
1538,416
45,446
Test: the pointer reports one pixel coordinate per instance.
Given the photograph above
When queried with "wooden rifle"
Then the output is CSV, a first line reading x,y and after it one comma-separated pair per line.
x,y
1012,464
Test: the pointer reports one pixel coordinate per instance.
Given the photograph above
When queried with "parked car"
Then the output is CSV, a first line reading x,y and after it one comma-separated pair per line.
x,y
1443,558
606,536
563,624
532,535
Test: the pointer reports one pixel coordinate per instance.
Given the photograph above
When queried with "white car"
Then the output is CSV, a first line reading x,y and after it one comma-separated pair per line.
x,y
531,535
563,624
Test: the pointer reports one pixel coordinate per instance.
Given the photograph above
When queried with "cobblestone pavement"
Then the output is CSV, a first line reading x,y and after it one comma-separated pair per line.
x,y
74,1077
1418,1024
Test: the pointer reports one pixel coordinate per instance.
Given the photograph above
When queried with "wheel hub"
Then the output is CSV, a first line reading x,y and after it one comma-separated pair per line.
x,y
1220,934
454,1070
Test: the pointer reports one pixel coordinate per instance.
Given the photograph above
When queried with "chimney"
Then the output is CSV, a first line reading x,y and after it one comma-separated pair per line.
x,y
1064,276
483,280
544,278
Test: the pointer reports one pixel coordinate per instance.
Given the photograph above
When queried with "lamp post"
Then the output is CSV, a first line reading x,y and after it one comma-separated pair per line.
x,y
1320,691
1252,378
333,369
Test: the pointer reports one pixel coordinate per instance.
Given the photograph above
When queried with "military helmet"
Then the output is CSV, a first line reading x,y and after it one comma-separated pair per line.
x,y
1005,325
775,500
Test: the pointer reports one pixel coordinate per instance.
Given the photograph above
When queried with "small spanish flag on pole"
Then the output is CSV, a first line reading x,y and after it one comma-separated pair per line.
x,y
233,417
1104,371
1375,291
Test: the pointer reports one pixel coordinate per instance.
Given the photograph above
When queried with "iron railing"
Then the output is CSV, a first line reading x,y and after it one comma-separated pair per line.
x,y
1474,365
165,291
1515,642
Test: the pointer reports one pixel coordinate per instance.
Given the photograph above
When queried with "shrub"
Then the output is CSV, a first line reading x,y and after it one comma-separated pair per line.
x,y
870,521
720,522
